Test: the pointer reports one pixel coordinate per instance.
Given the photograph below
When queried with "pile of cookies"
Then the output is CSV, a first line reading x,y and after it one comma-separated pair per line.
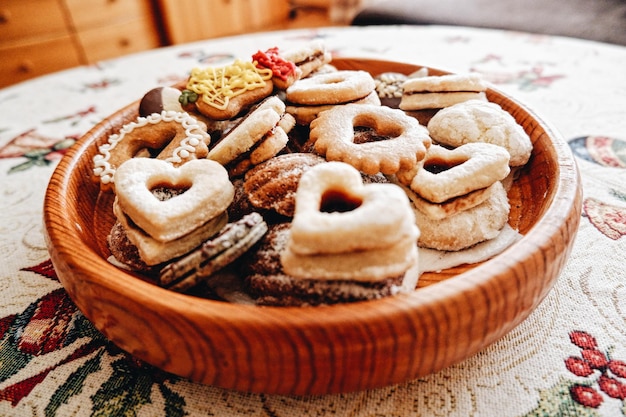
x,y
282,180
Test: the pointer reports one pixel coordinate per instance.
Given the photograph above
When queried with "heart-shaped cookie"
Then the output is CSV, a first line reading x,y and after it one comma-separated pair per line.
x,y
452,173
206,193
336,213
401,141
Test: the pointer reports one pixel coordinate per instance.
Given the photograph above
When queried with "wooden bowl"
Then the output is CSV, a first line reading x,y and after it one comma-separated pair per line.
x,y
326,349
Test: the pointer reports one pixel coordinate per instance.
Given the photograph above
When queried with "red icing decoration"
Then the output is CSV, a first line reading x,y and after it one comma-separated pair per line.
x,y
270,59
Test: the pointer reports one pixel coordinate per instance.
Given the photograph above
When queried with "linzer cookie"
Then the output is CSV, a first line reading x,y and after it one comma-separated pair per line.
x,y
346,230
458,196
165,228
439,91
310,96
308,58
400,142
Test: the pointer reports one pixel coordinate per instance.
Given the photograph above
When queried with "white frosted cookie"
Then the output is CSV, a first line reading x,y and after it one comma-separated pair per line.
x,y
207,192
481,121
466,228
346,230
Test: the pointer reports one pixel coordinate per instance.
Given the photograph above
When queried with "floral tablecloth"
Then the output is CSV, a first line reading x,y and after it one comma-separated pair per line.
x,y
567,359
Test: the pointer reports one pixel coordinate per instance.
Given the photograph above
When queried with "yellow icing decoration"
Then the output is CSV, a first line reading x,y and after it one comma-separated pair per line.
x,y
216,86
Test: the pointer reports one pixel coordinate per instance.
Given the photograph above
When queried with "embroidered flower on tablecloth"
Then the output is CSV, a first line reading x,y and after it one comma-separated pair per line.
x,y
38,149
527,76
52,325
597,379
609,219
602,150
606,374
102,84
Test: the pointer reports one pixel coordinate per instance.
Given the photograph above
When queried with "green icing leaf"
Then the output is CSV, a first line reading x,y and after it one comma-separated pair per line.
x,y
187,97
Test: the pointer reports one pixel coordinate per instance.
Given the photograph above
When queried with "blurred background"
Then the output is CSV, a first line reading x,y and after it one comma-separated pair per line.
x,y
42,36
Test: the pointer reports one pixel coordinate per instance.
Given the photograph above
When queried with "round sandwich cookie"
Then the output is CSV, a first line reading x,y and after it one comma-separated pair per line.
x,y
231,242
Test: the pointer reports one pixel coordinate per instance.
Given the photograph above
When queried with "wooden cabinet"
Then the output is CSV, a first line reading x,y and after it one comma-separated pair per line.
x,y
192,20
109,28
42,36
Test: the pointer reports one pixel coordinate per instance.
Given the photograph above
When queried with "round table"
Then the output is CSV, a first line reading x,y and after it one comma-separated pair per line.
x,y
567,358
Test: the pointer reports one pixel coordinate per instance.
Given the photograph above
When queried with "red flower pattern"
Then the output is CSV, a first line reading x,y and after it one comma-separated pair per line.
x,y
592,359
586,396
578,366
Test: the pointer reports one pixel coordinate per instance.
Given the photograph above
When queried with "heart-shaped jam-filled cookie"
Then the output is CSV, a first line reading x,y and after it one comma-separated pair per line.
x,y
201,191
404,145
452,173
336,213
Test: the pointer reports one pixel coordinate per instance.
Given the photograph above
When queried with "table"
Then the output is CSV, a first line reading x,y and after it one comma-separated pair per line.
x,y
567,358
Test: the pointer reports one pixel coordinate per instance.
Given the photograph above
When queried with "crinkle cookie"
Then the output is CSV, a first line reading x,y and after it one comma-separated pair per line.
x,y
481,121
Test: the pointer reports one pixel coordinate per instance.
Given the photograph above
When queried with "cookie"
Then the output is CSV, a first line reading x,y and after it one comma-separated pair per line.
x,y
388,86
481,121
272,185
344,229
468,227
451,173
439,91
251,129
224,92
268,284
207,194
401,143
158,99
172,136
284,72
309,57
233,241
